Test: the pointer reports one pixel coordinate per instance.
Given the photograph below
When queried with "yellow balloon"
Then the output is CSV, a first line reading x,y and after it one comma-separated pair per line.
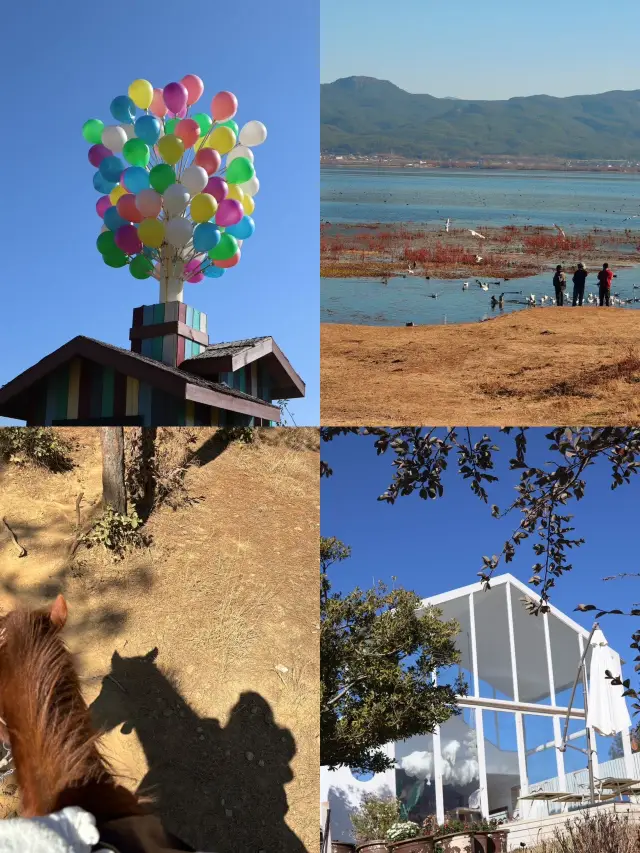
x,y
203,207
248,204
236,192
197,145
171,148
223,139
117,192
151,232
141,93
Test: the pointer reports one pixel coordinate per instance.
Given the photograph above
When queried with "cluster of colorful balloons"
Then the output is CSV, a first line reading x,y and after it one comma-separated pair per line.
x,y
176,189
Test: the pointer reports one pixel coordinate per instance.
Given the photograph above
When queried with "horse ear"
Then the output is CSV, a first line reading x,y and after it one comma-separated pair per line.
x,y
59,612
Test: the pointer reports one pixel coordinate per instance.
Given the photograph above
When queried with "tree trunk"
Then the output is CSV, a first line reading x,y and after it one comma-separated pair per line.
x,y
113,488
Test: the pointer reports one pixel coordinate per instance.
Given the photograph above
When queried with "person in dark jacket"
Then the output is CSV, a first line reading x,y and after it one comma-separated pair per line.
x,y
579,279
605,277
560,285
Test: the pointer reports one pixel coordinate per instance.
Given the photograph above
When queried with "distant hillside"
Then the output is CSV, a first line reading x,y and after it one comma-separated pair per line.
x,y
362,115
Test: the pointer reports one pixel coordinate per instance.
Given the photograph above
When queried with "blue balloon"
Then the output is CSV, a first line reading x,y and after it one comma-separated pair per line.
x,y
111,168
123,109
242,230
205,236
148,129
113,220
213,272
101,184
135,179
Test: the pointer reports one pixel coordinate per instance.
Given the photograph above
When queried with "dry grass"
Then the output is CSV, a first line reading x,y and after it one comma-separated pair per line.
x,y
538,367
228,594
597,833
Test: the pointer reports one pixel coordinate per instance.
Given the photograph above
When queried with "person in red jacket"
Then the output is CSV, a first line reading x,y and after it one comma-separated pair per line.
x,y
605,277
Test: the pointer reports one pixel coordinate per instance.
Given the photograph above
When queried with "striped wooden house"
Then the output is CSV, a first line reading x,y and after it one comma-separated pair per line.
x,y
172,376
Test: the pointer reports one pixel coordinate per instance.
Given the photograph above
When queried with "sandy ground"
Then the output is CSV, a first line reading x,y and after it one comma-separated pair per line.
x,y
200,653
536,367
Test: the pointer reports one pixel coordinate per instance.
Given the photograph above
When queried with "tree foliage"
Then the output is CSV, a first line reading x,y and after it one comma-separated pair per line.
x,y
377,659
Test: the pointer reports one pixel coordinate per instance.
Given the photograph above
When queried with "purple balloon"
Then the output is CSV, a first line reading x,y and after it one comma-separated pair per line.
x,y
102,205
175,97
127,239
97,153
218,188
230,212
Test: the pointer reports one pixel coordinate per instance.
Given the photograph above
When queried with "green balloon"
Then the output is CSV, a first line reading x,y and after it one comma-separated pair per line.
x,y
140,267
161,177
136,152
92,130
230,123
204,123
115,258
106,242
226,248
240,170
170,125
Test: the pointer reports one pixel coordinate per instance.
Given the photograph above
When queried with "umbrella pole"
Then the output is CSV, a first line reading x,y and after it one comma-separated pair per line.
x,y
588,730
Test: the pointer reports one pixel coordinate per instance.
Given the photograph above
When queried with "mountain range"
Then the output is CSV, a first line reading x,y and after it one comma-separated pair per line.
x,y
363,115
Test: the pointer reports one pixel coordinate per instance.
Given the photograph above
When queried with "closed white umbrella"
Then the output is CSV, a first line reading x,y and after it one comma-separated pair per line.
x,y
608,713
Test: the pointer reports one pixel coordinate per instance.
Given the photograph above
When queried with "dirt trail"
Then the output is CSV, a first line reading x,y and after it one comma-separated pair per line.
x,y
537,367
200,652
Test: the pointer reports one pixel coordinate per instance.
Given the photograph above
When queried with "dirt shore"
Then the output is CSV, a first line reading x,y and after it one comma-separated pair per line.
x,y
536,367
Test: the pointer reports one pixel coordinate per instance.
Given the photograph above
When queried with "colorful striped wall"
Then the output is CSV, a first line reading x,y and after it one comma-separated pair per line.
x,y
252,379
170,349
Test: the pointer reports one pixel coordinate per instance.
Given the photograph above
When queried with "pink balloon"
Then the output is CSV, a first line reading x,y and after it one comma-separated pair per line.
x,y
175,97
180,114
218,188
192,270
224,106
97,153
102,205
230,212
209,159
158,106
194,87
197,278
127,239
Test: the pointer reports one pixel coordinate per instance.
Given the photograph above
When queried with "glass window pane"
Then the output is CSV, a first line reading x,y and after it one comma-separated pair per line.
x,y
542,765
460,773
415,784
501,756
458,609
531,653
565,655
492,639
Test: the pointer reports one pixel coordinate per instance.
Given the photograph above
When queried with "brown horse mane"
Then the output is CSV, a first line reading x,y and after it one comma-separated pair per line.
x,y
55,748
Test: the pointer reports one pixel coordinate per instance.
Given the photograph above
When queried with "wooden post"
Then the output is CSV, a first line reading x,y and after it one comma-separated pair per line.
x,y
113,488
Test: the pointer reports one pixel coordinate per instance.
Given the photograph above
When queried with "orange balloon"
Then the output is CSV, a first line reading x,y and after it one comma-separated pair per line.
x,y
224,106
158,106
126,207
194,86
228,262
209,159
188,130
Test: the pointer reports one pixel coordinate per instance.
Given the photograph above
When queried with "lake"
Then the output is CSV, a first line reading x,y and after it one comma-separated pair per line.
x,y
402,300
575,201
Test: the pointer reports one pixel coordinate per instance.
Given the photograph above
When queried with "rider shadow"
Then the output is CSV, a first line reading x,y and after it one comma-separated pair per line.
x,y
220,789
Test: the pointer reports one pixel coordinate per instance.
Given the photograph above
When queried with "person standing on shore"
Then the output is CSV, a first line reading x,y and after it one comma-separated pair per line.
x,y
579,279
559,284
605,277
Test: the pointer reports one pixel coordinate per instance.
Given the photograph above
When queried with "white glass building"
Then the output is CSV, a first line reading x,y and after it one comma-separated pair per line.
x,y
520,670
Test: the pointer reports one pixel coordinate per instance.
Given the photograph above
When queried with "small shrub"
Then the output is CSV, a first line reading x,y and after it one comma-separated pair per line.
x,y
246,435
402,831
41,446
374,817
116,533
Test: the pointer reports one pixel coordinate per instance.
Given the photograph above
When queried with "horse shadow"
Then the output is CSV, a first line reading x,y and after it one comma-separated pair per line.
x,y
218,788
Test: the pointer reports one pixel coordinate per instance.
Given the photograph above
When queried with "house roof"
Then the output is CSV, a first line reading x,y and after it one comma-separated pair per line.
x,y
232,355
173,380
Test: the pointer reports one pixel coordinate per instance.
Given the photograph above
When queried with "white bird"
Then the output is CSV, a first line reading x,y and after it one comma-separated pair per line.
x,y
446,227
465,285
562,234
478,258
410,271
532,299
483,286
475,234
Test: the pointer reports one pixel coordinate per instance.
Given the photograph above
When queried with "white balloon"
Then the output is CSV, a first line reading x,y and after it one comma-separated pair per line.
x,y
240,151
114,137
149,202
251,186
253,133
178,232
195,179
130,130
175,199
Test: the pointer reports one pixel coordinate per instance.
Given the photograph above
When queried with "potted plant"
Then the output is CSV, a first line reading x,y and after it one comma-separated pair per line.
x,y
371,821
454,836
497,837
408,837
342,847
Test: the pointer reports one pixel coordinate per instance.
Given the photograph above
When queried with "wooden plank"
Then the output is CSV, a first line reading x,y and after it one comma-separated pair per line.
x,y
147,347
190,413
60,392
147,315
144,403
242,379
156,349
254,378
215,416
203,322
158,313
50,407
182,312
136,345
171,312
74,389
120,395
133,389
196,319
180,352
95,396
169,349
108,389
188,348
189,317
138,316
202,416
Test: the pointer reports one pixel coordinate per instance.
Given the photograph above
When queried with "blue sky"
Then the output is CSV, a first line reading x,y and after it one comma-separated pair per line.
x,y
484,50
66,61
